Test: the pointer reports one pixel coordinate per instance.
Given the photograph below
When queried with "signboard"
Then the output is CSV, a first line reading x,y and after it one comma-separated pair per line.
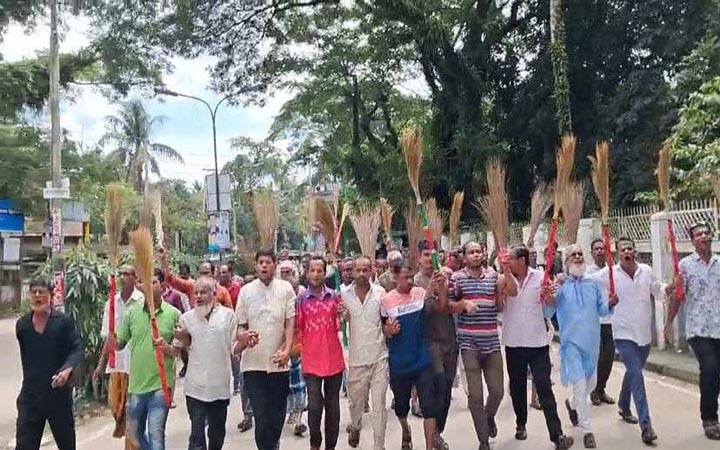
x,y
11,220
51,193
58,301
219,231
11,250
56,234
211,193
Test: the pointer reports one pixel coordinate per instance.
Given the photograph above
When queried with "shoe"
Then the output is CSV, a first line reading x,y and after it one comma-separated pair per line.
x,y
571,413
292,419
492,427
300,429
439,443
589,440
649,436
627,417
245,425
520,433
182,373
416,411
606,399
564,442
484,446
536,405
353,438
595,399
367,408
712,431
392,404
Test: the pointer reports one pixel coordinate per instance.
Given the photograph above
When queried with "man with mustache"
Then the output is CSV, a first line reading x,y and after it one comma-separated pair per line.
x,y
700,274
579,304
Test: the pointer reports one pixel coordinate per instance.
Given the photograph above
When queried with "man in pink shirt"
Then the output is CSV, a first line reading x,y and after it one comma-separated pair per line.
x,y
317,323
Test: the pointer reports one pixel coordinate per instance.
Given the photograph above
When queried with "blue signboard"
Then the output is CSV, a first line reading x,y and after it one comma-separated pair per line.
x,y
11,221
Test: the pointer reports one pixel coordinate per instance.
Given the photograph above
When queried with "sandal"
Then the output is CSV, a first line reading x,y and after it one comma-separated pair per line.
x,y
712,431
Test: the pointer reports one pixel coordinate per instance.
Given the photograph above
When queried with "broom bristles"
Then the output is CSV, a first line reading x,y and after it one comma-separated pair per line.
x,y
412,148
494,206
572,211
386,214
114,222
266,212
455,213
663,174
436,219
326,218
142,244
414,230
565,160
601,177
365,220
247,253
542,201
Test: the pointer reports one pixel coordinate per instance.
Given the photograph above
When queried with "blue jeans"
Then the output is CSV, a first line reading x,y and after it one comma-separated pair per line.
x,y
146,418
634,358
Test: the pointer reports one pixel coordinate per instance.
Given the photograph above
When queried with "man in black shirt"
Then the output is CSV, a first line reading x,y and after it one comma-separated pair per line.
x,y
50,348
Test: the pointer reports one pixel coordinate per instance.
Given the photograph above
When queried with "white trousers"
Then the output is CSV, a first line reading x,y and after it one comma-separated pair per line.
x,y
580,398
369,383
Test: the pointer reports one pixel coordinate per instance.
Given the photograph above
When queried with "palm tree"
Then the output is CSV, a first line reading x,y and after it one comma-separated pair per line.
x,y
131,131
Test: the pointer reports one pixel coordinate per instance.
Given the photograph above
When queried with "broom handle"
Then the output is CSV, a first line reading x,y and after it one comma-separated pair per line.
x,y
338,283
160,359
427,232
550,254
609,260
111,318
679,292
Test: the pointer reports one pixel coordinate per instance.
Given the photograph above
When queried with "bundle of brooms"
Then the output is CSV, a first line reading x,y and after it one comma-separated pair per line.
x,y
436,218
601,182
565,160
414,230
386,215
365,220
142,244
540,204
455,213
412,149
114,221
493,206
267,214
663,174
572,211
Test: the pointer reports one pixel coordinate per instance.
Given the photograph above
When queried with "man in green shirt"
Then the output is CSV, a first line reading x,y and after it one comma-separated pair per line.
x,y
147,411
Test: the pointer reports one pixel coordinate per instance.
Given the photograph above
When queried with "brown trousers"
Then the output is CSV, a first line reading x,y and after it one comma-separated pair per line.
x,y
117,397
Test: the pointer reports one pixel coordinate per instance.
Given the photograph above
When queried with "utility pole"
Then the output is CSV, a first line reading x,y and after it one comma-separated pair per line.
x,y
58,262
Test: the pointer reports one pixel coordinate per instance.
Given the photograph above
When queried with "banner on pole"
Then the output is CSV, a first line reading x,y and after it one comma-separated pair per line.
x,y
56,239
59,292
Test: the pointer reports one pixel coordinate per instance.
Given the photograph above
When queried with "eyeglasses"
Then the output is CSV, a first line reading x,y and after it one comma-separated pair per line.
x,y
577,254
39,291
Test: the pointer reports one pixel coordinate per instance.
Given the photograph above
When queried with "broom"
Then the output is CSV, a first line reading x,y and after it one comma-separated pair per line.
x,y
436,218
266,212
601,182
157,214
564,159
386,215
113,228
325,216
494,205
338,230
455,213
664,185
142,243
572,211
366,220
414,230
540,204
412,148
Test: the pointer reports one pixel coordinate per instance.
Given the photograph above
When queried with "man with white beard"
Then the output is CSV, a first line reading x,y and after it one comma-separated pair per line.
x,y
579,304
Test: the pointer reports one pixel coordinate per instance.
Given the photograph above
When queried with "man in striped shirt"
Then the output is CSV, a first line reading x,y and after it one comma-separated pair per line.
x,y
477,334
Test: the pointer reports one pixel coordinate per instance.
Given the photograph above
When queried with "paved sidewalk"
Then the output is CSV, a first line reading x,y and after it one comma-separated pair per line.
x,y
670,363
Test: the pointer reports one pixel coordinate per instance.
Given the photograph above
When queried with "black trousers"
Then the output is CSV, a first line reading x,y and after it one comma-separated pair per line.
x,y
212,414
538,359
444,358
707,352
34,409
606,357
268,393
324,394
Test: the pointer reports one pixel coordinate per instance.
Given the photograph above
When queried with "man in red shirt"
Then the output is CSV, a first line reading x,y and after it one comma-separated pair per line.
x,y
225,279
317,324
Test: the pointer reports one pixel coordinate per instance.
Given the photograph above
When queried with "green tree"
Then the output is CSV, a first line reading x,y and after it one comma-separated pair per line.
x,y
131,131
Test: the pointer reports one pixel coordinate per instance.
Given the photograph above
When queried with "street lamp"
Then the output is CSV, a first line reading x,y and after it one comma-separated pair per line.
x,y
213,114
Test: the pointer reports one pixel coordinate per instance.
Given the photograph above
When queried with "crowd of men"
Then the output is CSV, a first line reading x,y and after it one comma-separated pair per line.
x,y
277,341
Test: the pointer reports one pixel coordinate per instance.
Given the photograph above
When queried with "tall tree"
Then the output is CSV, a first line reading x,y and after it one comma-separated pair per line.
x,y
559,56
131,131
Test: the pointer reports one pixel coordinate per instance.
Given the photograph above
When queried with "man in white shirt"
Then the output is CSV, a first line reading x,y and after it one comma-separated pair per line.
x,y
265,314
632,330
367,359
526,345
120,373
607,345
207,332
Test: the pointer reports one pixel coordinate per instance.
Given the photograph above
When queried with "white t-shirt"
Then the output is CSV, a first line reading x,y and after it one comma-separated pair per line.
x,y
122,357
265,309
367,341
523,316
590,271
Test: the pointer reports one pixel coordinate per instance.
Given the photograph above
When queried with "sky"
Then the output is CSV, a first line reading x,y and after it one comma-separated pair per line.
x,y
187,128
